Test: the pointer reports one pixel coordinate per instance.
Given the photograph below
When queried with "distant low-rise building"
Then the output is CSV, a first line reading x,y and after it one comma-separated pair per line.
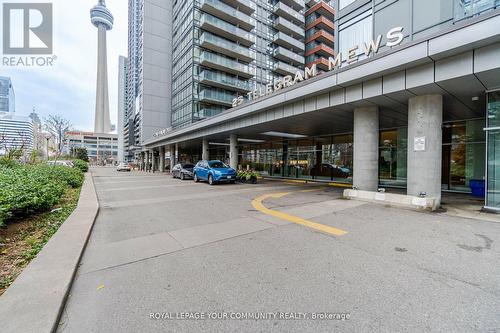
x,y
16,132
101,147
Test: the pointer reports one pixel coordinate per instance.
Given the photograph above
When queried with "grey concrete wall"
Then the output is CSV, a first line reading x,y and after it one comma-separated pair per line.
x,y
157,69
365,150
425,114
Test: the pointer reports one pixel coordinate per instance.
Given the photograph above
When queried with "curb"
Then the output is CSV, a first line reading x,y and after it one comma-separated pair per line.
x,y
36,299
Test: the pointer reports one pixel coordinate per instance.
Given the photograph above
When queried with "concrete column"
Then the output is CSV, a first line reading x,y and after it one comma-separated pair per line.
x,y
177,154
425,117
366,137
172,157
233,151
162,158
205,155
153,160
146,168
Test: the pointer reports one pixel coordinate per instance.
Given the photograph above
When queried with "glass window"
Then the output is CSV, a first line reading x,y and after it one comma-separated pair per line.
x,y
493,151
355,33
345,3
393,149
430,13
397,14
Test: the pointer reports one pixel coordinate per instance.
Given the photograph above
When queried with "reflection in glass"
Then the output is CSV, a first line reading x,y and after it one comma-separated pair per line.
x,y
493,151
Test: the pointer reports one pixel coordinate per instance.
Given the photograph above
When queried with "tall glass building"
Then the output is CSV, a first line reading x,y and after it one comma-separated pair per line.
x,y
7,97
408,98
225,48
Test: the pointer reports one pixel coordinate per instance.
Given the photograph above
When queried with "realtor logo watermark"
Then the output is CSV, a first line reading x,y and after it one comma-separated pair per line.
x,y
27,32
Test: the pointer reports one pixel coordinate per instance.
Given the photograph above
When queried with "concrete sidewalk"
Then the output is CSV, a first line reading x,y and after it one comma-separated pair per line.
x,y
34,302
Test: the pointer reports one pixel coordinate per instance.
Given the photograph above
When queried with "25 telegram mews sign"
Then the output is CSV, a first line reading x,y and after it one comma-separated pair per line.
x,y
394,37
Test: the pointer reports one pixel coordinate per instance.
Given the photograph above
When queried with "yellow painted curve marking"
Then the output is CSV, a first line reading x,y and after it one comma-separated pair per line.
x,y
258,205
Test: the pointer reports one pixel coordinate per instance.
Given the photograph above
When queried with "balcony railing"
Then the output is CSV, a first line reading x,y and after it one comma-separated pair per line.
x,y
223,80
281,9
282,24
227,65
283,39
247,7
288,56
225,29
216,97
222,45
285,69
228,13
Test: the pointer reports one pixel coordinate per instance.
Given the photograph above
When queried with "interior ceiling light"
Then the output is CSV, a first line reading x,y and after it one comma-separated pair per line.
x,y
218,144
284,135
251,140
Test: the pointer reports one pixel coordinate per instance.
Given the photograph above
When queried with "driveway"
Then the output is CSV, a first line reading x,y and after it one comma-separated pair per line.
x,y
177,256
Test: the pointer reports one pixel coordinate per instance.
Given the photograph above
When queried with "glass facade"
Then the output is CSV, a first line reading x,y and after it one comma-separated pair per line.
x,y
493,151
417,17
463,154
221,49
330,158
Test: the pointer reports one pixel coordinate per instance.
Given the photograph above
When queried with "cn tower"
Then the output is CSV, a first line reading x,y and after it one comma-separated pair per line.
x,y
103,20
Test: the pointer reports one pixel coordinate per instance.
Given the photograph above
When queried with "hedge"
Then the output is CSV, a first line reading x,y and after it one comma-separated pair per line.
x,y
81,164
26,189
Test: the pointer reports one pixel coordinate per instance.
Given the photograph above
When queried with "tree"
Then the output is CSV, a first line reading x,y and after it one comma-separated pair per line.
x,y
80,153
57,126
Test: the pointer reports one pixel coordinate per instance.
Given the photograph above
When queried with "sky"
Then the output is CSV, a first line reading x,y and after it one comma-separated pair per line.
x,y
68,87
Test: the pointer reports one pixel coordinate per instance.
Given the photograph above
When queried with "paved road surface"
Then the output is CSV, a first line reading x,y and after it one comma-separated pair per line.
x,y
161,245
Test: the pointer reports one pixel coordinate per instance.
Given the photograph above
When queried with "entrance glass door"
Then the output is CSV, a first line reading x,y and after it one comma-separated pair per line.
x,y
493,152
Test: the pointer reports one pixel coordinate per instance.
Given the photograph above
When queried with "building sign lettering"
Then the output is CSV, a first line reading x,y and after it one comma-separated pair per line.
x,y
394,37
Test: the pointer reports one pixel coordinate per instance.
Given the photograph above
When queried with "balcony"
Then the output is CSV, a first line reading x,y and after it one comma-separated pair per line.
x,y
288,56
284,40
228,13
282,24
321,23
322,9
321,63
244,6
289,13
285,69
321,36
221,45
321,50
226,30
222,80
295,4
216,97
227,65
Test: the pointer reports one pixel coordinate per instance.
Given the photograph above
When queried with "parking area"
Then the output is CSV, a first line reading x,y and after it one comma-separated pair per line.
x,y
162,245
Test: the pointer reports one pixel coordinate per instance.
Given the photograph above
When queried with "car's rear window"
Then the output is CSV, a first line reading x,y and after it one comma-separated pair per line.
x,y
188,166
217,165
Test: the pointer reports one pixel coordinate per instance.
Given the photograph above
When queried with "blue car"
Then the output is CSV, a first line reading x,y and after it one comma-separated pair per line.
x,y
214,172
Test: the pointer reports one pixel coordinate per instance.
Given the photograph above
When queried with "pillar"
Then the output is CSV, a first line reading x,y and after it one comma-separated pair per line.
x,y
162,158
172,157
205,155
153,160
147,162
233,151
365,150
177,154
425,117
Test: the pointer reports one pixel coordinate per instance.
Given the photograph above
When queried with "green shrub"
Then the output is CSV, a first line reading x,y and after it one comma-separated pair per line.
x,y
80,164
26,189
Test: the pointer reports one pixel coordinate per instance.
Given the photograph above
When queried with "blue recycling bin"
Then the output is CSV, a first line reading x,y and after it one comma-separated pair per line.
x,y
477,187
